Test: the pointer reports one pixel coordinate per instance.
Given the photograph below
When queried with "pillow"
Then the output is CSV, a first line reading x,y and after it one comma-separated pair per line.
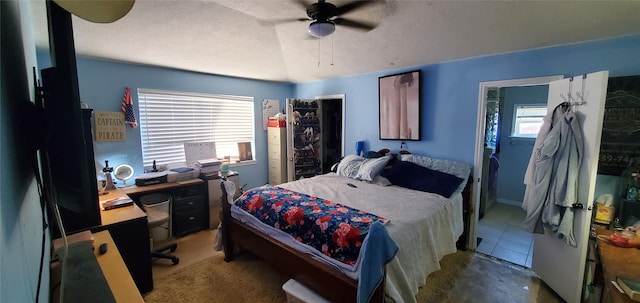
x,y
360,168
349,166
380,180
334,167
414,176
370,168
458,169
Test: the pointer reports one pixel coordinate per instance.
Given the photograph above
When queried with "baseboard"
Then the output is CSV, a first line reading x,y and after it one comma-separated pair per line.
x,y
509,202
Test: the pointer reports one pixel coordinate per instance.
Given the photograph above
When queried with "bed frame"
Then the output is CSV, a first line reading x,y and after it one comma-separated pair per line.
x,y
323,279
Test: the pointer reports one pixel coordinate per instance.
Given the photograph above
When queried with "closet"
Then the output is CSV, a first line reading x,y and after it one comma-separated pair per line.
x,y
314,136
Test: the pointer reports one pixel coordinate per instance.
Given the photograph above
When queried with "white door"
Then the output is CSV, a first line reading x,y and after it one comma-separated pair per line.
x,y
559,265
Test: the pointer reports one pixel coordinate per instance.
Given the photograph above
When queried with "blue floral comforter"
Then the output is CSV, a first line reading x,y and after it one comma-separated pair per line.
x,y
336,230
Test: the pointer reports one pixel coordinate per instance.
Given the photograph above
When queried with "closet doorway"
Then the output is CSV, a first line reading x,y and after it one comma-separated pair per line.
x,y
333,133
501,161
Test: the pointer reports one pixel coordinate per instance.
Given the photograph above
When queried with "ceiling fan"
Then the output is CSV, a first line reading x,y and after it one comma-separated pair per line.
x,y
325,16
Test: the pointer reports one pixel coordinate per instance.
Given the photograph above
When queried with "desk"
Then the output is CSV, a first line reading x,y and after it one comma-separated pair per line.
x,y
140,190
616,261
115,272
189,210
130,232
129,228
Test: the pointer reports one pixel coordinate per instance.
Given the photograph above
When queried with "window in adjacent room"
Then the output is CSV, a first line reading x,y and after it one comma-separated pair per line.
x,y
170,119
528,120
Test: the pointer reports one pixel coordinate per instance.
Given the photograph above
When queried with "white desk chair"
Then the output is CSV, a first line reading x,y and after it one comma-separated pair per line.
x,y
157,207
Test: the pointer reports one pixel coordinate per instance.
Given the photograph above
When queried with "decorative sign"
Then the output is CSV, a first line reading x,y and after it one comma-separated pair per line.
x,y
620,144
109,126
269,109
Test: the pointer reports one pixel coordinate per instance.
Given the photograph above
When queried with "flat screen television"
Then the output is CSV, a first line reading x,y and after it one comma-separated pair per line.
x,y
67,155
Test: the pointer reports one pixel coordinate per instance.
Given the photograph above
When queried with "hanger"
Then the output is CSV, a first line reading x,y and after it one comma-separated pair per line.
x,y
569,99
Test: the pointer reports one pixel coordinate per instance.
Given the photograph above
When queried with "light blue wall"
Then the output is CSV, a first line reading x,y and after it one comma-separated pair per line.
x,y
450,91
102,85
22,236
515,152
449,95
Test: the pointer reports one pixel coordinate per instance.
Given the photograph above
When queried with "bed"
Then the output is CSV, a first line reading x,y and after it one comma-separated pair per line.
x,y
424,225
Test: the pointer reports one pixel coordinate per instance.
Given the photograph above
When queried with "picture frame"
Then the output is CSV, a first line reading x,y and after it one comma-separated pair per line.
x,y
399,100
244,151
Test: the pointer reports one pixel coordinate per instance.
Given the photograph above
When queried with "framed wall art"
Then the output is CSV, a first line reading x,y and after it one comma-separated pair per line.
x,y
244,151
399,100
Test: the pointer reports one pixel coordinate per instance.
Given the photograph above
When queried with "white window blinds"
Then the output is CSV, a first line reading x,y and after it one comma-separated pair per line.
x,y
170,119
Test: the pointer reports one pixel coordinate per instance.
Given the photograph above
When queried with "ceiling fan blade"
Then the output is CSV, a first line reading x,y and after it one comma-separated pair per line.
x,y
354,24
301,3
343,9
284,20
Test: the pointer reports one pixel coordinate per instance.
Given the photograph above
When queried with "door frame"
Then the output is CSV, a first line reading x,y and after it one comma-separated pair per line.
x,y
479,145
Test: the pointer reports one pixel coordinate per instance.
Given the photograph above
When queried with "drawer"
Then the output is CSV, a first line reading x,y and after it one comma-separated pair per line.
x,y
189,204
274,153
189,222
276,178
276,161
188,191
276,164
275,175
276,134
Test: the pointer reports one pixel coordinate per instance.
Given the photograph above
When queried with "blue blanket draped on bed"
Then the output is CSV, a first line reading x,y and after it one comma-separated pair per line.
x,y
378,250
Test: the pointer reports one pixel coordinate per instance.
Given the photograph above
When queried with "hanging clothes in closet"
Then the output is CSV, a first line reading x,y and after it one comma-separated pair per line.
x,y
551,178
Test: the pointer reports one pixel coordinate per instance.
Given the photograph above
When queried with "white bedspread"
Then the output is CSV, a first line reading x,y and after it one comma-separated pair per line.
x,y
425,226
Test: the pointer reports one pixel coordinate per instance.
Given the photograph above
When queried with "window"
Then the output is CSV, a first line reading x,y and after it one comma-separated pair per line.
x,y
528,120
170,119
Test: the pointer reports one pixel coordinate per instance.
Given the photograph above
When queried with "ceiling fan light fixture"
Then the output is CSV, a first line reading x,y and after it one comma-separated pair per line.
x,y
320,29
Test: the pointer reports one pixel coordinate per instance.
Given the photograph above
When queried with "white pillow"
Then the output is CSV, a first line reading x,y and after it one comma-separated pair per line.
x,y
458,169
372,167
380,180
360,168
349,166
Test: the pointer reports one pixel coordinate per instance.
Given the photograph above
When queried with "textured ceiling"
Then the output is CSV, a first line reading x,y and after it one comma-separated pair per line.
x,y
243,38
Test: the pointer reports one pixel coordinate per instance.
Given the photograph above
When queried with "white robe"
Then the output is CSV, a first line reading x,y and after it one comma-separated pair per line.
x,y
552,175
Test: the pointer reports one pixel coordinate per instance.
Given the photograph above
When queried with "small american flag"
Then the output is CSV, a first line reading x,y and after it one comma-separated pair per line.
x,y
127,109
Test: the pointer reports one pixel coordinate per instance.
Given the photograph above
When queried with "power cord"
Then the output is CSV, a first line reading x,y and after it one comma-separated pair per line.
x,y
45,225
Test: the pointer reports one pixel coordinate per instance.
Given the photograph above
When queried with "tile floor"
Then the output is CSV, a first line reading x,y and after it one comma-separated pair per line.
x,y
503,236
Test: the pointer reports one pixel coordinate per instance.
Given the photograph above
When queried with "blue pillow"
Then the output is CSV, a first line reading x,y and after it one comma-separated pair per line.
x,y
414,176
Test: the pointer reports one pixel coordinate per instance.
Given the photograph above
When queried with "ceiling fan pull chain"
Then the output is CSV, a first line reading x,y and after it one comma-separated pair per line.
x,y
331,50
318,53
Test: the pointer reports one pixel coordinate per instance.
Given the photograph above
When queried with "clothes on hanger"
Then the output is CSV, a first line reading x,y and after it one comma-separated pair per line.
x,y
552,175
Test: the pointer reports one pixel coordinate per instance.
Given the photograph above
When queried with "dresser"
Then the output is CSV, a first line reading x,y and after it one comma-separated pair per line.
x,y
277,149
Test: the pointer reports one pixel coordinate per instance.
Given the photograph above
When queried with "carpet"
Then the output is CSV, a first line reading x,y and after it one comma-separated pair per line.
x,y
245,280
464,277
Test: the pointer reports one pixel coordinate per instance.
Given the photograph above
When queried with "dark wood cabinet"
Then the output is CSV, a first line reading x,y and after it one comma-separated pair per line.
x,y
190,209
